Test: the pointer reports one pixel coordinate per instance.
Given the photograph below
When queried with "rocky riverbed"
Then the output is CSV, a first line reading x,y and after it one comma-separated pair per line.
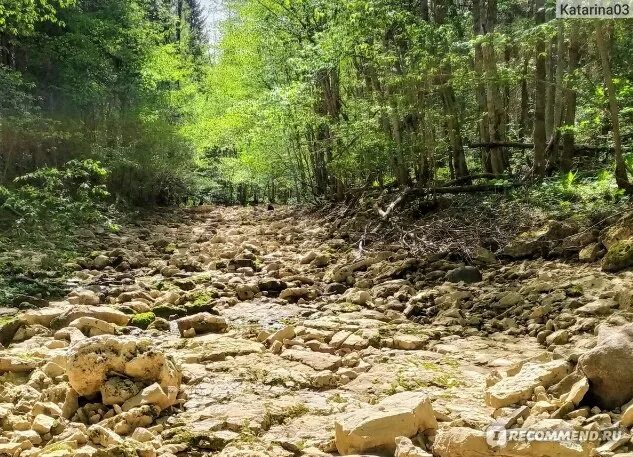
x,y
242,332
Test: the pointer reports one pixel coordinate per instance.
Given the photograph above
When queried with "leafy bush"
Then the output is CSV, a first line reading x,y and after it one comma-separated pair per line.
x,y
572,193
72,194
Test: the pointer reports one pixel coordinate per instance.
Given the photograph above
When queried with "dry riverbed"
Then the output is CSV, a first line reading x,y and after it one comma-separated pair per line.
x,y
242,332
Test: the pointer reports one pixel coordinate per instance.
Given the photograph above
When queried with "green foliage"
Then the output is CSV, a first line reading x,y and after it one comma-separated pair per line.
x,y
19,17
570,193
73,194
120,93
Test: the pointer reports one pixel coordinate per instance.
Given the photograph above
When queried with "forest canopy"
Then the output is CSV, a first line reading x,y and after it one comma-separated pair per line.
x,y
311,100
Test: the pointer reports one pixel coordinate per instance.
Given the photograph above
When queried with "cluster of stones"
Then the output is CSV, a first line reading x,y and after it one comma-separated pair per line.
x,y
283,308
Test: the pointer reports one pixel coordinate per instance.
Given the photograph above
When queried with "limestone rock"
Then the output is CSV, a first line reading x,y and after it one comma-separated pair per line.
x,y
42,424
202,323
621,230
627,416
294,293
83,297
92,326
17,365
92,360
317,360
8,330
518,388
246,291
116,390
152,395
609,366
285,333
461,442
376,427
405,448
466,442
578,391
591,252
619,256
104,313
408,342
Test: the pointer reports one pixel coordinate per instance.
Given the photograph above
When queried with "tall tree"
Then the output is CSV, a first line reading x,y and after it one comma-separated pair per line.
x,y
540,85
602,40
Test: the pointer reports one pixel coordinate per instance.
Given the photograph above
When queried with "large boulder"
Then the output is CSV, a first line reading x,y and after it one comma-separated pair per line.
x,y
621,230
619,256
91,362
376,427
539,242
609,367
104,313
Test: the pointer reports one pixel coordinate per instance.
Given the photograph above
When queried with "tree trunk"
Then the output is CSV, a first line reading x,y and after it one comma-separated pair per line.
x,y
454,132
482,118
554,137
525,101
539,96
569,121
493,94
424,9
621,176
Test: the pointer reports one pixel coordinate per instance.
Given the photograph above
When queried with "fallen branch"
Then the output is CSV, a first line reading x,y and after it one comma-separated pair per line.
x,y
384,215
416,192
474,188
468,178
517,145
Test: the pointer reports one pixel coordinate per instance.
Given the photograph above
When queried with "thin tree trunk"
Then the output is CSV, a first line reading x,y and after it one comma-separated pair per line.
x,y
539,96
482,118
525,101
552,146
573,57
493,94
454,133
621,176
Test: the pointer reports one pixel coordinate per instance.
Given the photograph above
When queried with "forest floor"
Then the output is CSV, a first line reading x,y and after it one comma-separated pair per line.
x,y
246,332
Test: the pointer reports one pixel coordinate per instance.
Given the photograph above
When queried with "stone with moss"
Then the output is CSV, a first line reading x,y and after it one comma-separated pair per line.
x,y
8,328
619,256
206,440
142,320
166,311
195,308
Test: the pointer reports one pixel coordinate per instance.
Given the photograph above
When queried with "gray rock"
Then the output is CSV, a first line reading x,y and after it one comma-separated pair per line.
x,y
609,367
466,274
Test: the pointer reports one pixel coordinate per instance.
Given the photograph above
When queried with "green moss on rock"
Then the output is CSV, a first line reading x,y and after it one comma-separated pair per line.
x,y
619,256
166,311
142,320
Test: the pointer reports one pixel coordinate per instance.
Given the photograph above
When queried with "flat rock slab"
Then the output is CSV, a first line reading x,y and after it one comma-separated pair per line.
x,y
213,347
317,360
377,426
266,314
518,388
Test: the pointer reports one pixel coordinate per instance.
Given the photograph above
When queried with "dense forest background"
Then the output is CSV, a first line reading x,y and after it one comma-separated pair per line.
x,y
306,100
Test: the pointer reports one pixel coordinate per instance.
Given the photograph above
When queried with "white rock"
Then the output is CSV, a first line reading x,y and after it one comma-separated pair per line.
x,y
520,387
377,426
92,360
42,424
